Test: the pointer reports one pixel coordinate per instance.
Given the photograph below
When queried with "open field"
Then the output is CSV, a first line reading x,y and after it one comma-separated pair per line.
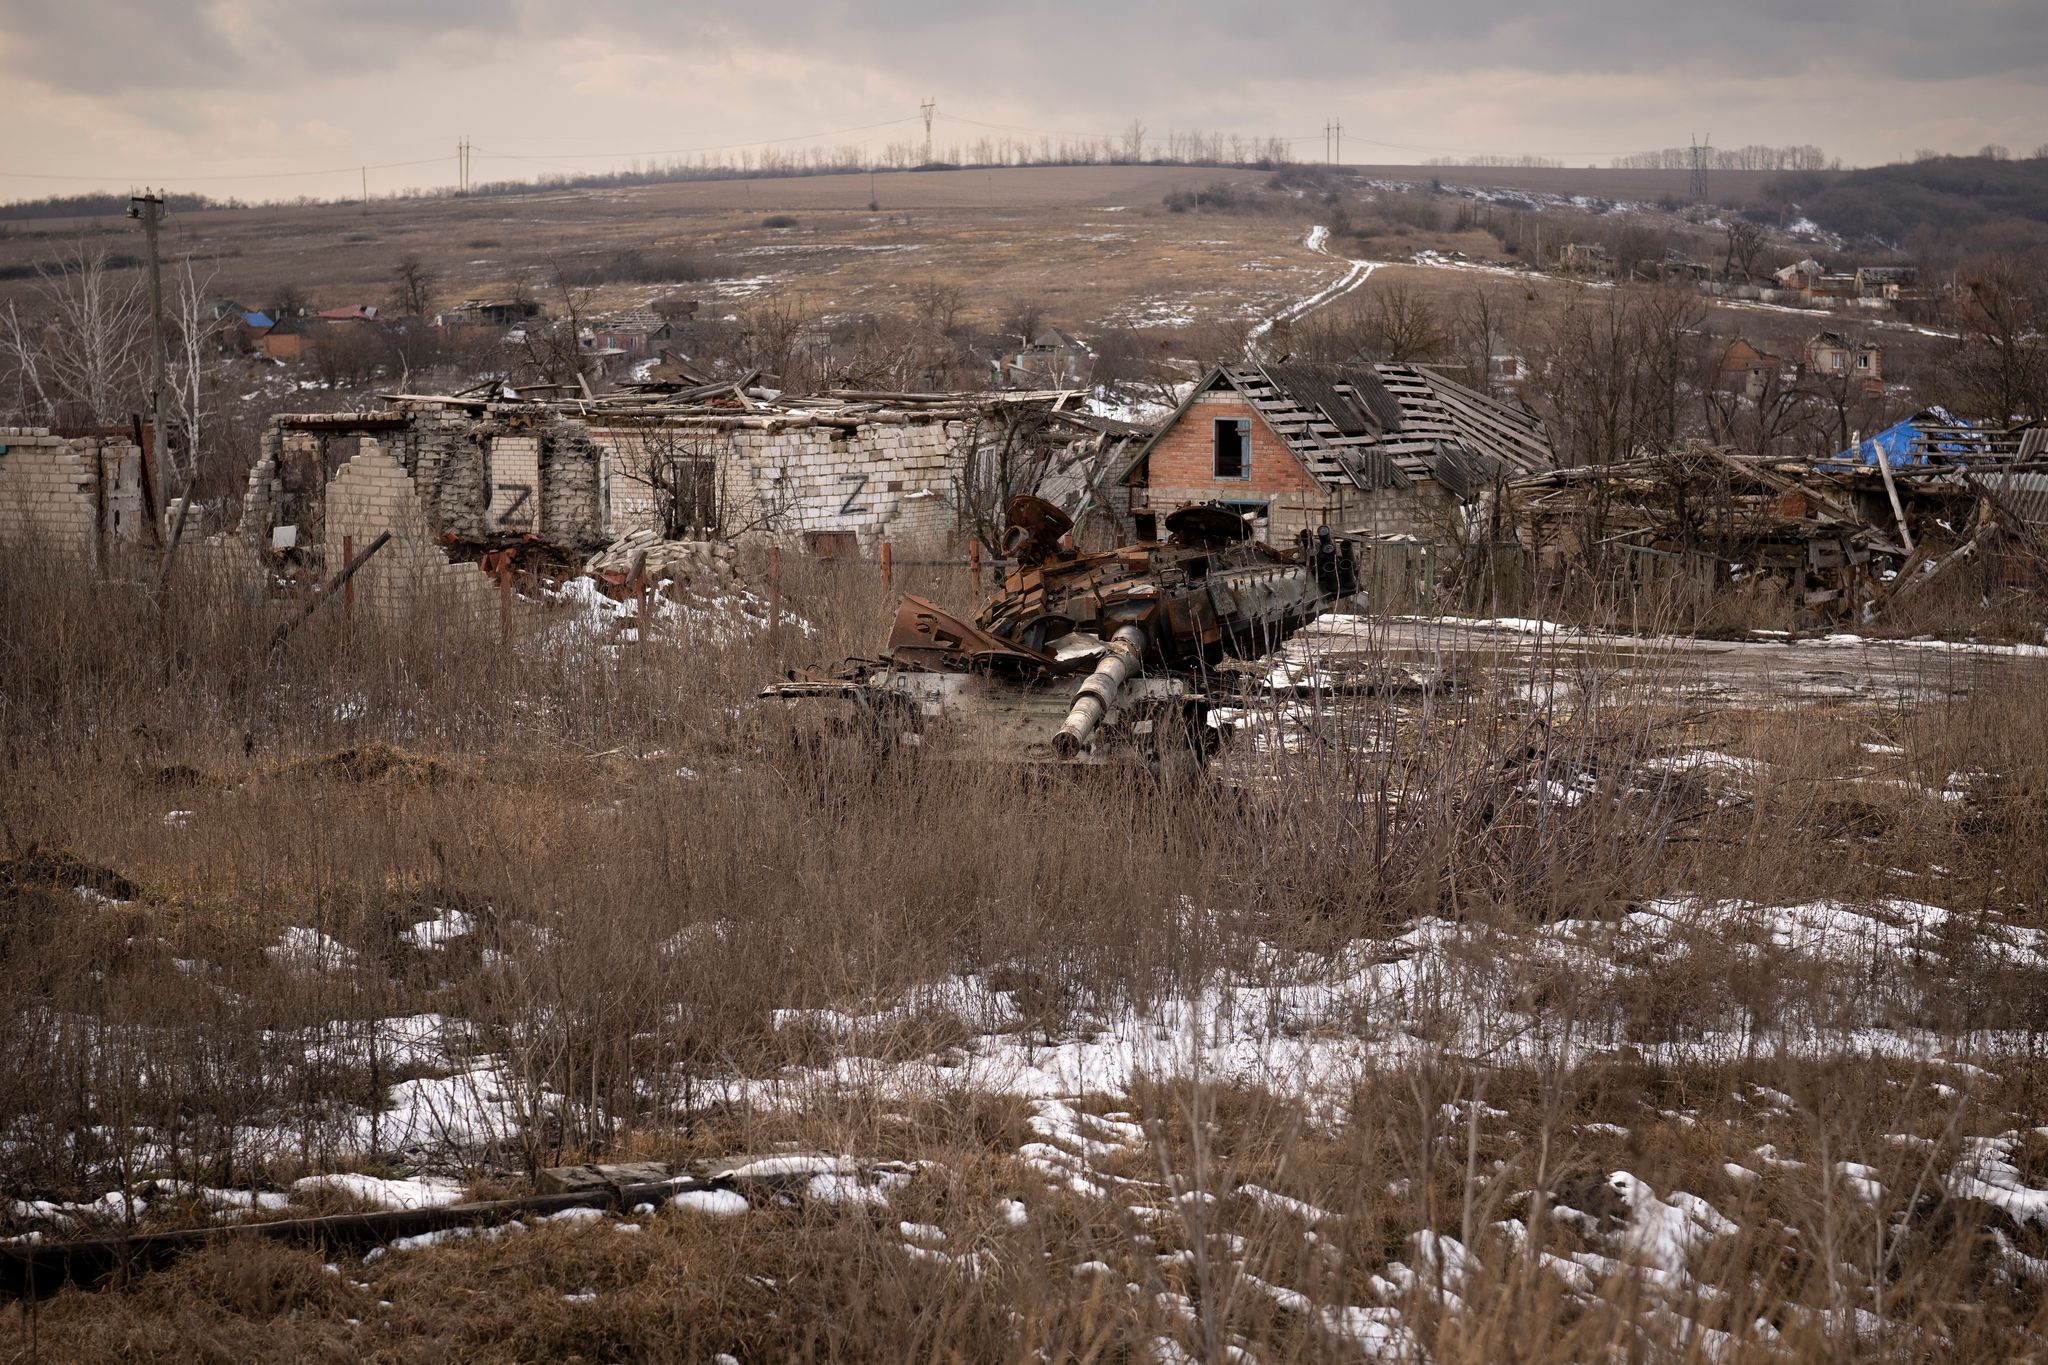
x,y
1095,247
1070,235
1564,997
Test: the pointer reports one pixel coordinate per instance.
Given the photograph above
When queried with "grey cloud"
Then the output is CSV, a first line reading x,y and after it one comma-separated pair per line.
x,y
1080,64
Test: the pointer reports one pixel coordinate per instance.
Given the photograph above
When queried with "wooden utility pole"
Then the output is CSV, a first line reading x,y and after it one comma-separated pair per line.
x,y
149,207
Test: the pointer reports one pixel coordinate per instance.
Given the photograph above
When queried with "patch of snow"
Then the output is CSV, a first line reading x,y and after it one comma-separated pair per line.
x,y
427,1192
310,950
714,1203
446,925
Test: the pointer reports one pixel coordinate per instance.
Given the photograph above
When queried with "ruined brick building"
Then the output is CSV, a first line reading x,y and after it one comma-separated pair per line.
x,y
484,469
833,475
1380,449
78,493
451,477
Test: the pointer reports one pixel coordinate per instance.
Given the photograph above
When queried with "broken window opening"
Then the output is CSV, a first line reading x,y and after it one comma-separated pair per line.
x,y
1233,448
693,496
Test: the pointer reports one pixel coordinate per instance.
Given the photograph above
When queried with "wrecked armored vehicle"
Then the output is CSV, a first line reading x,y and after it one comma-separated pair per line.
x,y
1099,658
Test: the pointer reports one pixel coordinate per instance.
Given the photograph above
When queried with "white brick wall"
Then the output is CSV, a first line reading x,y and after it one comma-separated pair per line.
x,y
371,494
46,491
515,483
893,481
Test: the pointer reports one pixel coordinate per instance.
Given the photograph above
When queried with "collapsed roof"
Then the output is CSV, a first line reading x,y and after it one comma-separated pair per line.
x,y
1382,425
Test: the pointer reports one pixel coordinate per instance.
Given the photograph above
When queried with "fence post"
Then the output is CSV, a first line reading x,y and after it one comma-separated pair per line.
x,y
974,567
505,605
348,588
888,567
775,604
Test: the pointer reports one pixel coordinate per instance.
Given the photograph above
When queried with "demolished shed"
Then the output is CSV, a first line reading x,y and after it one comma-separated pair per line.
x,y
1822,544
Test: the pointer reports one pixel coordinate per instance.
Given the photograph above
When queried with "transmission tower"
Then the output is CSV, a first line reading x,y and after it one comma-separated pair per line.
x,y
1699,169
928,106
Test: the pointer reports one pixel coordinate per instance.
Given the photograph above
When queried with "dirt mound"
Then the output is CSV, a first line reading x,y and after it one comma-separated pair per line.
x,y
376,762
54,867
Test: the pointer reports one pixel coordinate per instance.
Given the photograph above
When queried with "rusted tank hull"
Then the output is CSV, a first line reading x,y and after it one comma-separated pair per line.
x,y
1092,659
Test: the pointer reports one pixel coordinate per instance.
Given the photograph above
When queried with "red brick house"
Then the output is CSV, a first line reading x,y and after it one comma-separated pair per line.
x,y
286,339
1379,449
1747,370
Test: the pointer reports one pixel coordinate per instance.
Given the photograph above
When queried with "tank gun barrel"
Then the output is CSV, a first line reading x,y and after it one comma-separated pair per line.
x,y
1126,649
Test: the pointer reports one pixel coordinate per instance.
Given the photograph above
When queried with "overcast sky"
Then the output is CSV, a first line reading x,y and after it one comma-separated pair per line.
x,y
120,92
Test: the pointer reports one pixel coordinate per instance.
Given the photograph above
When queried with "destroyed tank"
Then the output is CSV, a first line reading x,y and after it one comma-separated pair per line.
x,y
1083,658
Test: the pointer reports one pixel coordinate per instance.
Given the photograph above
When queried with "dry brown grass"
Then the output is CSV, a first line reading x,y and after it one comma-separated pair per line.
x,y
1032,233
653,875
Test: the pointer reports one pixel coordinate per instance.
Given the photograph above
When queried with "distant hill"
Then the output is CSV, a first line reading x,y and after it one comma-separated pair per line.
x,y
1950,194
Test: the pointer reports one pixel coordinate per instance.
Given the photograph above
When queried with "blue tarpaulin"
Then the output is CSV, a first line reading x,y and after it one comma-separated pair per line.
x,y
1905,443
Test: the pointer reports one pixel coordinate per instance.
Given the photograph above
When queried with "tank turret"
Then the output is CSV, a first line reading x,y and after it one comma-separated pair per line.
x,y
1090,657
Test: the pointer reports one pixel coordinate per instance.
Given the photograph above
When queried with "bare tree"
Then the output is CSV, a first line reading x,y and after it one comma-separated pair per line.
x,y
286,301
1764,419
1025,319
1745,245
1617,363
551,347
194,363
1844,402
80,353
414,286
1479,332
1402,326
1006,451
939,305
682,475
346,355
2001,309
774,337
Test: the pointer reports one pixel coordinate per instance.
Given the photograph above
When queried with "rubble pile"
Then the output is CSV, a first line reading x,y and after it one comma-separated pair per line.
x,y
702,569
1832,542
